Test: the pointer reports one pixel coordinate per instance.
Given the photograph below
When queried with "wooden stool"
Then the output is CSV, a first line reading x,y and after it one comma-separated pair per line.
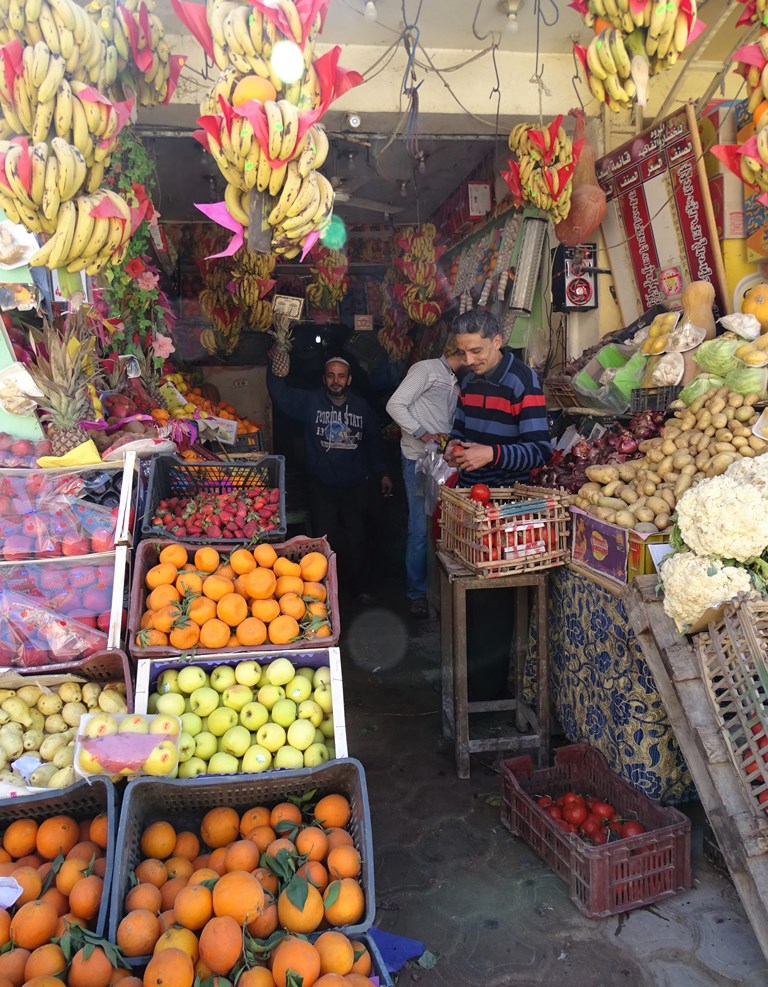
x,y
532,730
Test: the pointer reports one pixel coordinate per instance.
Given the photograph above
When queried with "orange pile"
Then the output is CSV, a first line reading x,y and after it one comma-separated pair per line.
x,y
238,601
266,869
220,410
60,865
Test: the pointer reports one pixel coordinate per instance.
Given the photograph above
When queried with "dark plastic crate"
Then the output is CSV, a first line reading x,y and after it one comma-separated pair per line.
x,y
147,555
104,666
173,477
186,801
82,800
249,442
602,880
654,398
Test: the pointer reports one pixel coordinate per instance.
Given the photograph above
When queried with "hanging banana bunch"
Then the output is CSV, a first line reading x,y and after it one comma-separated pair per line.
x,y
263,131
251,274
418,263
542,170
329,269
631,44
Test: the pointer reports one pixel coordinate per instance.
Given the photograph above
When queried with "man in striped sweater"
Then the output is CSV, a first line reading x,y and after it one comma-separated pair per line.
x,y
500,432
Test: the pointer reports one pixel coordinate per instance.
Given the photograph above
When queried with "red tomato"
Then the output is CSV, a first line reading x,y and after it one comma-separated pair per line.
x,y
604,810
553,811
632,828
543,801
480,493
599,837
571,797
575,812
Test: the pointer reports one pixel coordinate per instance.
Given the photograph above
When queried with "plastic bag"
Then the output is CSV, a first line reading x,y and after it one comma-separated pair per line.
x,y
743,324
434,470
698,386
747,380
716,356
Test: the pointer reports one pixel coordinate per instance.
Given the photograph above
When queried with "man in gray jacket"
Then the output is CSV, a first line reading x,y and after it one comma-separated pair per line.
x,y
423,406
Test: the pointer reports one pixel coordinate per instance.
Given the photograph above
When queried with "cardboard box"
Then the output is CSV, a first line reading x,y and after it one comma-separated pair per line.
x,y
610,551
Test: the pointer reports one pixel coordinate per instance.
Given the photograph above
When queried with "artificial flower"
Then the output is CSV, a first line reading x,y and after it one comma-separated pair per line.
x,y
162,346
147,281
135,267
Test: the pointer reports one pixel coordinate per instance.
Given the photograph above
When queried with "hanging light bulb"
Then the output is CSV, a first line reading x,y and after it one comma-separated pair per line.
x,y
512,25
403,190
422,164
511,8
370,13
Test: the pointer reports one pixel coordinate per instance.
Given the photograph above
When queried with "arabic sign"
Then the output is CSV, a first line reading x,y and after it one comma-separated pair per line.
x,y
659,224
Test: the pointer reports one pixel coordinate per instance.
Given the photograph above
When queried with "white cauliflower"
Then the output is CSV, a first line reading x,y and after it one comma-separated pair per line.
x,y
751,471
693,585
724,517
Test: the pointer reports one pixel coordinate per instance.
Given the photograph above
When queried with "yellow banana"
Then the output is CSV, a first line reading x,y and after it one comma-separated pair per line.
x,y
51,197
275,122
277,178
291,188
39,158
290,133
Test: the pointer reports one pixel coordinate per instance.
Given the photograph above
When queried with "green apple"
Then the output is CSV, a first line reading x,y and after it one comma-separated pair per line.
x,y
271,736
284,712
288,757
205,745
279,672
222,677
186,746
204,701
315,755
319,736
256,759
171,704
165,724
168,681
221,719
162,760
309,710
152,702
87,763
100,725
237,696
299,689
323,698
301,734
192,768
269,694
327,726
307,673
322,676
236,741
191,723
135,723
248,673
253,716
223,764
191,677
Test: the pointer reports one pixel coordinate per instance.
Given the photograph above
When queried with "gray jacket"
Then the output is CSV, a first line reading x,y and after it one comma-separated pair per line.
x,y
424,402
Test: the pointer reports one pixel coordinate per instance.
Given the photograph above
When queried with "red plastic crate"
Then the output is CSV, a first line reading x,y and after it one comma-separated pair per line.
x,y
602,880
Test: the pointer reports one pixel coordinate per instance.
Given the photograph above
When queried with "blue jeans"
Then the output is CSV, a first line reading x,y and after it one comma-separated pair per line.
x,y
416,547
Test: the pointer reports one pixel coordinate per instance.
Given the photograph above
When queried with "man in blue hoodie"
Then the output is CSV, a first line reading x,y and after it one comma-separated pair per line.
x,y
343,448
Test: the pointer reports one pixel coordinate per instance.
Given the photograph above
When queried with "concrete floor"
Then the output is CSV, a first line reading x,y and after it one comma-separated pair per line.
x,y
448,873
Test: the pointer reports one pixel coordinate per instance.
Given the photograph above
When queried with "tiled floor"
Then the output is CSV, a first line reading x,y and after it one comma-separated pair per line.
x,y
449,874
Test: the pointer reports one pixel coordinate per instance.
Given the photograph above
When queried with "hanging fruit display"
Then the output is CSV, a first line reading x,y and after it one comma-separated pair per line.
x,y
588,202
755,12
542,171
217,301
420,295
634,39
394,336
68,82
252,277
329,269
262,131
751,62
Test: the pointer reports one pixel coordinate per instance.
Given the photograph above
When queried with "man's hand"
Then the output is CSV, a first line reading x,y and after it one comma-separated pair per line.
x,y
471,456
433,437
449,453
386,486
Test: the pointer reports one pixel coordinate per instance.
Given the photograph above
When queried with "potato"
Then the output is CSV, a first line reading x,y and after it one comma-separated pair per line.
x,y
587,488
681,459
668,495
724,447
604,513
665,466
744,413
723,435
735,400
628,495
580,502
690,470
738,442
612,503
657,504
730,414
671,478
741,431
703,420
644,514
716,406
702,460
687,423
602,474
719,420
682,485
758,444
648,489
625,519
685,440
709,430
668,447
748,452
695,406
751,398
628,471
661,521
612,488
653,456
720,463
706,441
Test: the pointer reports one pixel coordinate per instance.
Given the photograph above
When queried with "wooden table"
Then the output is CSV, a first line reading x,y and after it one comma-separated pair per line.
x,y
741,833
532,728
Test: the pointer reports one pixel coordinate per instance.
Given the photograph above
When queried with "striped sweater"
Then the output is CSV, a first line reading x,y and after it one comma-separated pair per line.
x,y
506,410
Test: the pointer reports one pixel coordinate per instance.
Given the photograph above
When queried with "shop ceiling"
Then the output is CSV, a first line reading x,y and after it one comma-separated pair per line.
x,y
376,174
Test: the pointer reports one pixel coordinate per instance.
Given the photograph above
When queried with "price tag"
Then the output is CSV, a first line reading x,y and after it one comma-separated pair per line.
x,y
222,430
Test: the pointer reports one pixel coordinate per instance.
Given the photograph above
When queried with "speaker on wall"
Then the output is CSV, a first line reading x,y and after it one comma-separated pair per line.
x,y
574,278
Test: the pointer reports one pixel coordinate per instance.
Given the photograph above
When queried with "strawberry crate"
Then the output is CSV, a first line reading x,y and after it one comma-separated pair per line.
x,y
732,657
186,801
171,477
147,555
521,529
83,800
602,880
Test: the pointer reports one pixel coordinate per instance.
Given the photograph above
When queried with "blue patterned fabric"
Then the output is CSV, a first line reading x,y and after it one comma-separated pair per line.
x,y
603,692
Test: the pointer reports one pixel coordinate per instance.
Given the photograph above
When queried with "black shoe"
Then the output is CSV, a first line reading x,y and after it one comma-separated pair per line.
x,y
418,607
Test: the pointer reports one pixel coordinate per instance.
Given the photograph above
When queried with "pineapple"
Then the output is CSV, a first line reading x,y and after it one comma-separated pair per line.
x,y
281,360
63,374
